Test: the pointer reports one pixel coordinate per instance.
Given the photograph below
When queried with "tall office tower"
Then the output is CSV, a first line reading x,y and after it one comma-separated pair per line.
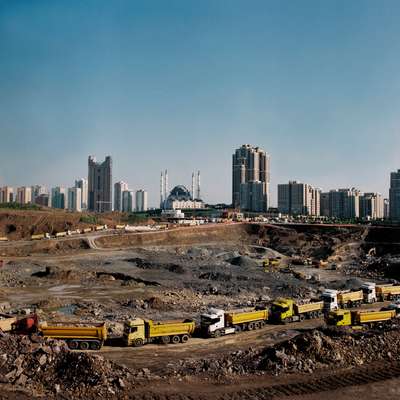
x,y
119,188
371,206
83,185
141,200
99,185
6,194
24,195
386,208
59,198
75,199
344,203
296,198
37,191
127,201
394,196
250,164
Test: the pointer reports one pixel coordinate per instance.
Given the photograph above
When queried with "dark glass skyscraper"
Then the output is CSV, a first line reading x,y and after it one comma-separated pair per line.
x,y
100,185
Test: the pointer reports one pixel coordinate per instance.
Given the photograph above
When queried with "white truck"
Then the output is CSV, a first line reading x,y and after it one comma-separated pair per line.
x,y
334,299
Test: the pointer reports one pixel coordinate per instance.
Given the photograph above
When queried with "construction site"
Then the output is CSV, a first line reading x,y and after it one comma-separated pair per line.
x,y
221,311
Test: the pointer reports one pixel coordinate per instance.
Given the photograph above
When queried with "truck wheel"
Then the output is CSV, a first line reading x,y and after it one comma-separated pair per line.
x,y
184,338
217,333
84,345
262,324
250,326
138,342
302,317
320,314
238,328
165,339
73,344
175,339
95,345
256,325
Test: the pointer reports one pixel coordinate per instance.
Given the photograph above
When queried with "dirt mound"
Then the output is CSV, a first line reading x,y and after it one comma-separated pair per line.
x,y
143,264
243,261
215,276
46,367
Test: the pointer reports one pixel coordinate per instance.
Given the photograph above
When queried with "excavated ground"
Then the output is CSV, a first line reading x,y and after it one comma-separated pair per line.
x,y
180,274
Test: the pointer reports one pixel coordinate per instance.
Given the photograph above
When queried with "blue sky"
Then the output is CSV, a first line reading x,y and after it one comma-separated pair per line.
x,y
181,84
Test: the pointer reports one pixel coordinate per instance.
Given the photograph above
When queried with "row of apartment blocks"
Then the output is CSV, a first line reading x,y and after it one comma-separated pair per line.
x,y
126,201
296,198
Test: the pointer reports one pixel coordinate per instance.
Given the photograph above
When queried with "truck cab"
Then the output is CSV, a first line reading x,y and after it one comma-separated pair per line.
x,y
213,323
329,297
134,332
369,292
282,310
339,318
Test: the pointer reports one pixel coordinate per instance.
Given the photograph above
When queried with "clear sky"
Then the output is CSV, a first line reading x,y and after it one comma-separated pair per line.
x,y
181,84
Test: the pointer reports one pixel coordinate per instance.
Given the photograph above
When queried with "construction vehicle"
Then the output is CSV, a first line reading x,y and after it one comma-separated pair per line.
x,y
37,237
86,230
81,336
138,332
357,318
3,239
388,292
272,262
286,310
334,299
218,322
60,234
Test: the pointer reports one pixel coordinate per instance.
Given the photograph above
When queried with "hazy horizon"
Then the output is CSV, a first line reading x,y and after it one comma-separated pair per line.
x,y
180,85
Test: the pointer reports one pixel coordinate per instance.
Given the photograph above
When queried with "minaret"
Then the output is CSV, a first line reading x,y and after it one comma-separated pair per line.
x,y
166,185
193,185
198,185
162,190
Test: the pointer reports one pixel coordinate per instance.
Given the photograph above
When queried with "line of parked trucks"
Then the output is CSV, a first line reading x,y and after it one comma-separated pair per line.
x,y
334,305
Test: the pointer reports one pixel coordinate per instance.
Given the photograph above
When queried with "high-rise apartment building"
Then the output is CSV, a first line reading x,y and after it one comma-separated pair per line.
x,y
38,190
99,185
252,196
83,185
296,198
371,206
324,204
344,203
141,200
6,194
24,195
250,164
43,200
119,188
127,201
75,199
59,197
394,196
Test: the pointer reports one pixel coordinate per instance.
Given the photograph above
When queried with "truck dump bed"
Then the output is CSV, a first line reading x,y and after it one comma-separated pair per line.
x,y
309,307
387,290
168,328
6,322
80,331
233,318
363,317
350,296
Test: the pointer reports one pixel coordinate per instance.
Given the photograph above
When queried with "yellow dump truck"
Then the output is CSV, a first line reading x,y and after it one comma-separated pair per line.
x,y
286,310
140,331
350,299
60,234
38,237
86,230
77,336
388,292
356,318
218,322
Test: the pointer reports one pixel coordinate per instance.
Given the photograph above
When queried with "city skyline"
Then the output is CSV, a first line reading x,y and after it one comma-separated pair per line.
x,y
320,97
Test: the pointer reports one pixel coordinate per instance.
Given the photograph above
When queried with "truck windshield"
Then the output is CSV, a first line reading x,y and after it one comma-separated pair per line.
x,y
206,320
276,308
128,329
328,299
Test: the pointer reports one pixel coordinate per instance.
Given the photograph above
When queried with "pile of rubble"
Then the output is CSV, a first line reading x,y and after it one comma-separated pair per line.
x,y
46,367
305,353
